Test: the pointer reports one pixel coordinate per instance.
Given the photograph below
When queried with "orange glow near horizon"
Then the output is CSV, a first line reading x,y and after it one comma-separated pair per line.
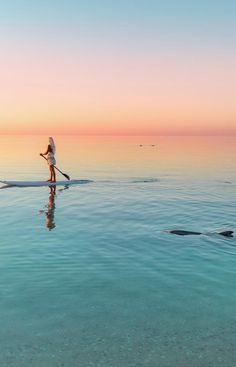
x,y
192,154
160,96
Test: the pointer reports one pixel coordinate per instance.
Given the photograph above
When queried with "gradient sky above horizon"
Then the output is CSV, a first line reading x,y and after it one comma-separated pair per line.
x,y
118,67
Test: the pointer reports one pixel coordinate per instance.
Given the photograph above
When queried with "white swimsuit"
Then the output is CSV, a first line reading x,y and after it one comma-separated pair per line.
x,y
51,159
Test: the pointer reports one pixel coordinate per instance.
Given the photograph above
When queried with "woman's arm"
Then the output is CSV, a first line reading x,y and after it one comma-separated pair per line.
x,y
48,150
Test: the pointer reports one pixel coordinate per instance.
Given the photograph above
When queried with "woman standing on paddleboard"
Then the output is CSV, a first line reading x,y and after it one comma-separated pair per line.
x,y
50,153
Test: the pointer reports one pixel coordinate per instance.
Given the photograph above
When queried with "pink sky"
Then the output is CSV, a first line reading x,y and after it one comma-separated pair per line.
x,y
110,96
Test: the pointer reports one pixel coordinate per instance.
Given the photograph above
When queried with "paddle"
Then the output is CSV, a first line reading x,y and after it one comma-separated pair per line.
x,y
64,174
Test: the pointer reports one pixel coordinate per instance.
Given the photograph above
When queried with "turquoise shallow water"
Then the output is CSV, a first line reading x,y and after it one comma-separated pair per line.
x,y
93,278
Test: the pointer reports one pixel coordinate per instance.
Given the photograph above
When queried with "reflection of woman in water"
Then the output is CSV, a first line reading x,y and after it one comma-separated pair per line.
x,y
50,152
49,223
50,207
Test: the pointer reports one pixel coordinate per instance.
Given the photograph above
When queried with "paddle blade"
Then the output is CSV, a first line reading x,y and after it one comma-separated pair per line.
x,y
66,176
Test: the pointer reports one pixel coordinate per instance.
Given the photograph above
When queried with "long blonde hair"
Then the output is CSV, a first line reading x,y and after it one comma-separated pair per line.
x,y
52,144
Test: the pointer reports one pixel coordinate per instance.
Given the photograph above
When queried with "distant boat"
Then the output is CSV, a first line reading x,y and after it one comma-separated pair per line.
x,y
147,145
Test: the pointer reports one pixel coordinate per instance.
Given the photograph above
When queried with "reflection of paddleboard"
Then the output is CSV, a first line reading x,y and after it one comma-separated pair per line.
x,y
44,183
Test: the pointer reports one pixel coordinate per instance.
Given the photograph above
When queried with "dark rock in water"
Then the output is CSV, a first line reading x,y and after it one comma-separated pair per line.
x,y
181,232
227,233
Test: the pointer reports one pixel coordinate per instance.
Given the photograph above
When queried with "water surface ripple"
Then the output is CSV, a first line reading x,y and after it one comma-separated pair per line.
x,y
95,279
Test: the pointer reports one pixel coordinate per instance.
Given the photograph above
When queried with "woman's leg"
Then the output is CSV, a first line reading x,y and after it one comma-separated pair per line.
x,y
50,170
53,174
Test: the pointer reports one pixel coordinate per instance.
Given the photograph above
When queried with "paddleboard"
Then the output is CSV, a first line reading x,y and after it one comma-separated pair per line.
x,y
44,183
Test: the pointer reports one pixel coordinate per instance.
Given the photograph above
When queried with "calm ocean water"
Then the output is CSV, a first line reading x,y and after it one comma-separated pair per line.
x,y
90,276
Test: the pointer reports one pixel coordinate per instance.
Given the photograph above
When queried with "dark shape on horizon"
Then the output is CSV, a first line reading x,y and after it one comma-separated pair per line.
x,y
147,145
181,232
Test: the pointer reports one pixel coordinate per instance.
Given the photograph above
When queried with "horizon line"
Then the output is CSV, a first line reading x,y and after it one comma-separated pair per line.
x,y
119,135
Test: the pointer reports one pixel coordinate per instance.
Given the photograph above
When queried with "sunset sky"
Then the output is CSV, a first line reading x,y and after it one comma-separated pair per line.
x,y
164,67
